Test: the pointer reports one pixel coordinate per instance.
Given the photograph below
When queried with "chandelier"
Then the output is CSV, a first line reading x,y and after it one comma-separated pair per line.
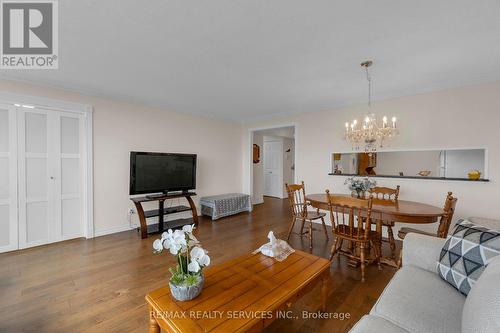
x,y
372,133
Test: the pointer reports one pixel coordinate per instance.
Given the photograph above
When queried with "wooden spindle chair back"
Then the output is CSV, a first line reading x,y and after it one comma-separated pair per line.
x,y
385,193
350,216
297,199
447,218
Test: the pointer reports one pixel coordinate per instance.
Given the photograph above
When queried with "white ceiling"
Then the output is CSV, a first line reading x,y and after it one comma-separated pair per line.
x,y
251,60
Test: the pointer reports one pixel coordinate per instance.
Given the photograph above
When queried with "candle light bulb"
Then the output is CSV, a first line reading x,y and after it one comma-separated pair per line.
x,y
367,120
384,119
355,122
346,125
393,119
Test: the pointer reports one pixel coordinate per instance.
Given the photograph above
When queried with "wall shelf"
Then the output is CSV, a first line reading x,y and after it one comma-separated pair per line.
x,y
481,180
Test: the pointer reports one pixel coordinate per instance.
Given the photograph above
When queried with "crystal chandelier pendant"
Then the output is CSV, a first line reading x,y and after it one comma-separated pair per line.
x,y
371,133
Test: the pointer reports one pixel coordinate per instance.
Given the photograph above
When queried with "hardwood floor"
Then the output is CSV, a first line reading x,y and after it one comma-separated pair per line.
x,y
99,285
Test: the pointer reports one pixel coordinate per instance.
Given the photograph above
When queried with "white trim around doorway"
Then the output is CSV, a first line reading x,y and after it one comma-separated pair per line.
x,y
250,150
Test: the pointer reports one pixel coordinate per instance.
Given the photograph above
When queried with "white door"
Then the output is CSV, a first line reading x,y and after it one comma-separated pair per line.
x,y
8,177
273,168
49,176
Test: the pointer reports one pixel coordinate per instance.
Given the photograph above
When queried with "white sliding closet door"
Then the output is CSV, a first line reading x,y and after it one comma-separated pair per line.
x,y
70,165
8,179
50,176
36,215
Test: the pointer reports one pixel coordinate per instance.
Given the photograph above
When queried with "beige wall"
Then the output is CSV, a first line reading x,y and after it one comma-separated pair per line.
x,y
120,127
458,118
465,117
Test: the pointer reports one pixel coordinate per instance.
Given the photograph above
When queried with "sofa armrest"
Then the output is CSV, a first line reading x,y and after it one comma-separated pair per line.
x,y
422,251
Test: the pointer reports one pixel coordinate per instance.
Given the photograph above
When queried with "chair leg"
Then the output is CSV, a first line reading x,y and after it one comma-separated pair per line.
x,y
291,228
352,247
378,255
339,248
392,242
334,248
302,227
310,235
324,228
362,256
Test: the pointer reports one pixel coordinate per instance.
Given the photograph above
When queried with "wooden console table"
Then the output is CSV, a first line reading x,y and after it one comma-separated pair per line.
x,y
153,229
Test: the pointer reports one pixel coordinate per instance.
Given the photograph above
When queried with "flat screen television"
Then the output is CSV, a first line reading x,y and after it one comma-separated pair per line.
x,y
161,172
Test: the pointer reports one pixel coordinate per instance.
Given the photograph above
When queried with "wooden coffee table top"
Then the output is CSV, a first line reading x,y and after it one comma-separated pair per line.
x,y
256,285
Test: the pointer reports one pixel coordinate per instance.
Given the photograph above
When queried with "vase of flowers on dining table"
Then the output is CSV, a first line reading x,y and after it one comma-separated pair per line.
x,y
359,186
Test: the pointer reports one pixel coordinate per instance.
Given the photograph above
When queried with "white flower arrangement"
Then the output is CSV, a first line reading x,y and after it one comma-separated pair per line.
x,y
191,257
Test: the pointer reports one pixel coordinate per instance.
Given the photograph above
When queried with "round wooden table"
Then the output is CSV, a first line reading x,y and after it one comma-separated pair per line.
x,y
388,211
385,210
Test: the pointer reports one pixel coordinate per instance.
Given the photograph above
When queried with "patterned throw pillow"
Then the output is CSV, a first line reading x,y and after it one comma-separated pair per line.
x,y
467,251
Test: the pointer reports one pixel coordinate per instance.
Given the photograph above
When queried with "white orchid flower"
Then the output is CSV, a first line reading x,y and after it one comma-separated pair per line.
x,y
204,261
188,228
193,266
158,245
200,256
174,249
197,252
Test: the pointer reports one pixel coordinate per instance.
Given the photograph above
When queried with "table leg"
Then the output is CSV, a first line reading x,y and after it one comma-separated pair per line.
x,y
153,325
384,260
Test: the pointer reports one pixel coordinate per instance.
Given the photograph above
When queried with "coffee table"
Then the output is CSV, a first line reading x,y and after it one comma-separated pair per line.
x,y
241,295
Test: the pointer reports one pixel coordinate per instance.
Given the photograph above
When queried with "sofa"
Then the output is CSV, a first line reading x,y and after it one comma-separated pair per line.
x,y
418,300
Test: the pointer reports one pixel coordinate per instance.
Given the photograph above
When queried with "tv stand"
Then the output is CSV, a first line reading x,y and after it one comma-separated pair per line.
x,y
161,211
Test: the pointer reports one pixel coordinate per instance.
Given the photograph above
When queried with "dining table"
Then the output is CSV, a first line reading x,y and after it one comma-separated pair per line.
x,y
388,211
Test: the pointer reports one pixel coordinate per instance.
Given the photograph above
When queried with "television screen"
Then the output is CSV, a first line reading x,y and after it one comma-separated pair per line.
x,y
161,172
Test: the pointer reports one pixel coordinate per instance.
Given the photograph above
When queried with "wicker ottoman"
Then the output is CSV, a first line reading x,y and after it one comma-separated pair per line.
x,y
218,206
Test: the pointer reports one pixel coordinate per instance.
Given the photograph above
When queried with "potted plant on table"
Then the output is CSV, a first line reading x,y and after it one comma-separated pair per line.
x,y
187,278
359,186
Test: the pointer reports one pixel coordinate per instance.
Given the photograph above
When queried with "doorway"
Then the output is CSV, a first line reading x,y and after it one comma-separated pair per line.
x,y
275,165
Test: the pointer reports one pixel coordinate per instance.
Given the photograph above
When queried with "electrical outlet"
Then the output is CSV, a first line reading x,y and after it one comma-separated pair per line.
x,y
131,211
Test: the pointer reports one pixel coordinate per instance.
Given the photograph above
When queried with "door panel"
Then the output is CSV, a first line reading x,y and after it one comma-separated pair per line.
x,y
71,176
70,135
36,133
36,178
37,223
71,218
8,174
4,179
34,187
273,175
4,225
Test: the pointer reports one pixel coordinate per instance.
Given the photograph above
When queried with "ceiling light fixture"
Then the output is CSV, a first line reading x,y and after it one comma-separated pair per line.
x,y
372,133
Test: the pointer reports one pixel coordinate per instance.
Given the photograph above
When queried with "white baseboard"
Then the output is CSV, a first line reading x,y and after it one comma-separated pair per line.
x,y
113,230
258,201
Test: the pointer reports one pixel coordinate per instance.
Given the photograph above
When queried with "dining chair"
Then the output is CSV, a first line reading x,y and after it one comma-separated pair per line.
x,y
351,222
299,204
444,223
387,195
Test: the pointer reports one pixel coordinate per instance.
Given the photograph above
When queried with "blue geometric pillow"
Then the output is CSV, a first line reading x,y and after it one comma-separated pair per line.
x,y
466,253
